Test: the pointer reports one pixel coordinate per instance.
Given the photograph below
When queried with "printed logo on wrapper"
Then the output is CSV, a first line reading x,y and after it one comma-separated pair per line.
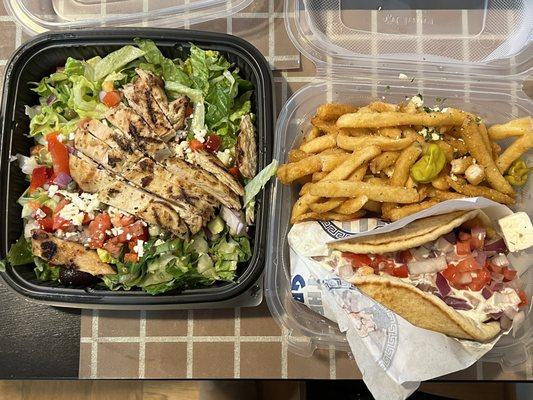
x,y
346,229
375,321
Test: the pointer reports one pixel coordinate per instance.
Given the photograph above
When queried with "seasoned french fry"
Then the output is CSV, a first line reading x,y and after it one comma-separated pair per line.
x,y
332,111
403,164
472,191
292,171
333,150
319,144
385,143
297,155
459,165
380,106
377,180
354,161
474,141
386,119
373,206
393,133
359,173
328,216
318,176
440,181
332,161
351,206
446,148
413,134
443,195
328,127
496,150
383,161
373,191
300,207
514,151
397,213
458,145
516,127
328,205
485,136
313,133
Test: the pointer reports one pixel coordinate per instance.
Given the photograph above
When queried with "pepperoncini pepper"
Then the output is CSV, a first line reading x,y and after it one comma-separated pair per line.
x,y
518,173
429,166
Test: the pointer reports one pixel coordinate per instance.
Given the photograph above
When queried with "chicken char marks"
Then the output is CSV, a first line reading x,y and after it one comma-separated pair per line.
x,y
98,142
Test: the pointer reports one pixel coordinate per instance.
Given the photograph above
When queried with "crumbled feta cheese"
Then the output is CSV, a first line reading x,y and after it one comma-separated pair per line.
x,y
181,148
108,232
72,212
29,227
52,190
117,231
71,136
139,248
445,109
225,156
40,213
430,134
200,135
417,101
517,231
158,242
454,177
128,236
435,136
70,234
87,202
403,77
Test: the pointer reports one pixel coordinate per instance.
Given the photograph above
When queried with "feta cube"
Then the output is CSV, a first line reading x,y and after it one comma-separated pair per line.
x,y
517,231
403,77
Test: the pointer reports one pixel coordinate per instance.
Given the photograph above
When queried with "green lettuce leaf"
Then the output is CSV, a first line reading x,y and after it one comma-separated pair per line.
x,y
242,106
253,187
84,99
175,89
20,253
45,271
115,61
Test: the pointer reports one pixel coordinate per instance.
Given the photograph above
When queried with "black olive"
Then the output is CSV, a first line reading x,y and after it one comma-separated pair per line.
x,y
71,276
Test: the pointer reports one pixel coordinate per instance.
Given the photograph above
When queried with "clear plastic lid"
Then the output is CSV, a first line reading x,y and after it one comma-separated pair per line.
x,y
38,16
493,37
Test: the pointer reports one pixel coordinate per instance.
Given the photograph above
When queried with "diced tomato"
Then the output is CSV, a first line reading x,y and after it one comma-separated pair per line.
x,y
401,272
62,203
464,236
508,274
46,224
357,260
523,297
462,247
39,177
131,257
235,172
113,246
468,264
494,268
212,144
480,279
386,269
60,223
111,99
120,220
453,276
131,245
59,153
97,230
477,243
380,262
86,219
134,231
404,256
195,144
188,111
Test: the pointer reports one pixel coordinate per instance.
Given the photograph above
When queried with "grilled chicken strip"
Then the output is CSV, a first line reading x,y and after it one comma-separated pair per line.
x,y
212,179
246,149
61,252
96,141
141,98
125,197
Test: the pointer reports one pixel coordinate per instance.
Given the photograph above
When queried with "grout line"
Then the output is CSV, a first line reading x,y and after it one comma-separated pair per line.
x,y
229,20
182,339
374,51
512,60
142,343
466,51
419,48
103,11
94,344
262,15
332,363
186,22
145,10
271,37
189,339
18,36
237,345
284,346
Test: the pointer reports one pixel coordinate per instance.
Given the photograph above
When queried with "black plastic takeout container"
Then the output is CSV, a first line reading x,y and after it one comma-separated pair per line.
x,y
40,57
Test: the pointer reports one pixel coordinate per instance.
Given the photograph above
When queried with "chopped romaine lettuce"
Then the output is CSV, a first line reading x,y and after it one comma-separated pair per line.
x,y
45,271
20,253
259,181
115,61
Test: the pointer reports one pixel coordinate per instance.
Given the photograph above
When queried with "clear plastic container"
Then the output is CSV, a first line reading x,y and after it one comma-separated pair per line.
x,y
356,63
38,16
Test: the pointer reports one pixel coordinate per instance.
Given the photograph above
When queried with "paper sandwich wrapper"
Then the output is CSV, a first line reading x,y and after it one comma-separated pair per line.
x,y
393,355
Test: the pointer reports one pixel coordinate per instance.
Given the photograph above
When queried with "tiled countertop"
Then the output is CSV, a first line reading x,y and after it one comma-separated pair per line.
x,y
226,343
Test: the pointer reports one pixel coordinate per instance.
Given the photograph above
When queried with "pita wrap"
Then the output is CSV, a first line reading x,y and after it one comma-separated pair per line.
x,y
413,235
420,308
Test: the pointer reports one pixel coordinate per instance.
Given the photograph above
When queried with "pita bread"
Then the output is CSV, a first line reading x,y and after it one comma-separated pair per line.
x,y
413,235
423,309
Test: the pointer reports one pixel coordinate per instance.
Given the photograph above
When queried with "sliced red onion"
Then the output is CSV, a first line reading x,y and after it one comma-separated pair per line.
x,y
505,323
234,219
420,253
451,237
452,256
458,304
510,312
481,257
496,286
517,321
51,99
500,260
427,266
443,245
496,245
345,271
486,293
62,180
496,277
464,279
71,150
101,95
496,316
478,232
442,285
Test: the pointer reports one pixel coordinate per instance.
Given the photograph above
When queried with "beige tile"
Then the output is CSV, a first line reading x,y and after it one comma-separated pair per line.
x,y
359,19
493,371
395,47
467,374
260,360
85,360
442,22
7,45
120,7
166,323
2,9
315,367
86,324
475,21
118,360
278,5
279,100
254,30
166,360
217,25
214,322
257,321
294,86
397,22
257,6
159,4
283,44
118,323
213,360
345,366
